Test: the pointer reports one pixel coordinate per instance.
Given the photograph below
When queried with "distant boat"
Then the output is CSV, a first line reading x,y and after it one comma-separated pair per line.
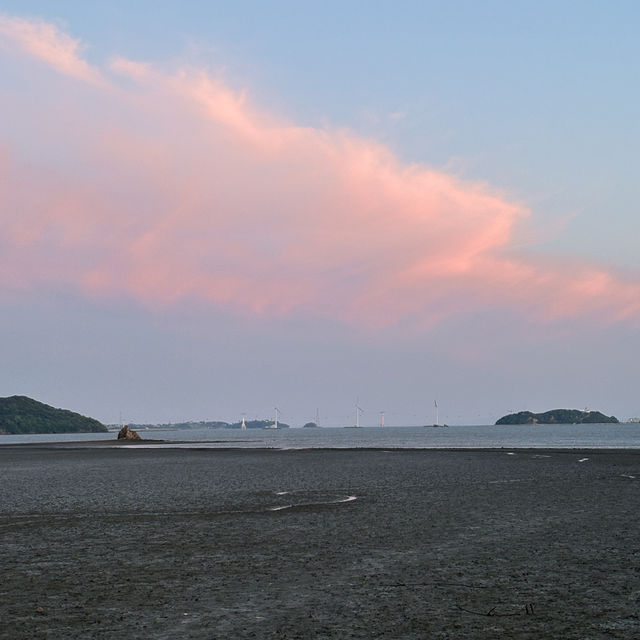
x,y
243,426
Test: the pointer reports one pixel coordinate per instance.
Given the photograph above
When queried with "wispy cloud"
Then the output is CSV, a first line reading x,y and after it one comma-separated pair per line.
x,y
46,42
169,186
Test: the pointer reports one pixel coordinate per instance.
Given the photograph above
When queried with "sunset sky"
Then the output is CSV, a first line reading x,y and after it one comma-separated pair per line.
x,y
212,208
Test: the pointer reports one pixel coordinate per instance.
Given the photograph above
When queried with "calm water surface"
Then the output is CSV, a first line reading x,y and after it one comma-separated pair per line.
x,y
596,436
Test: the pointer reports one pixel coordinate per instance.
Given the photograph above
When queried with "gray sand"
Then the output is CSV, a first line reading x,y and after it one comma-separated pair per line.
x,y
135,543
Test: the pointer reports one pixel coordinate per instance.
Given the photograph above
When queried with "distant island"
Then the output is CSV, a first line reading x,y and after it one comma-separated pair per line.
x,y
207,424
557,416
20,414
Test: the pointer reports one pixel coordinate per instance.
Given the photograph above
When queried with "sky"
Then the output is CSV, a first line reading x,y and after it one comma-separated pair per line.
x,y
209,209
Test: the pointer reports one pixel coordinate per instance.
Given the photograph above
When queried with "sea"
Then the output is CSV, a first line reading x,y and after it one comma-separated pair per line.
x,y
583,436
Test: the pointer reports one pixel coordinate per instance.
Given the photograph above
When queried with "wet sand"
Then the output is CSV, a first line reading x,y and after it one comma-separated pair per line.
x,y
101,542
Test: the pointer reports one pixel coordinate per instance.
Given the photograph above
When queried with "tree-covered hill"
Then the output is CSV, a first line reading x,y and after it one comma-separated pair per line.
x,y
557,416
19,414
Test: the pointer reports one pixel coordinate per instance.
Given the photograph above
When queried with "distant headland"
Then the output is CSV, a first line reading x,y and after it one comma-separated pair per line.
x,y
558,416
20,414
209,424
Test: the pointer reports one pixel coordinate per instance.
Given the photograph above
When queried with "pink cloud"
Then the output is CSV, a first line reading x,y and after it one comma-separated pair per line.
x,y
46,42
173,186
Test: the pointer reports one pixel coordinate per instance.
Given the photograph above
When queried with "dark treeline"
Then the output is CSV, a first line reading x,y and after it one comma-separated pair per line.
x,y
557,416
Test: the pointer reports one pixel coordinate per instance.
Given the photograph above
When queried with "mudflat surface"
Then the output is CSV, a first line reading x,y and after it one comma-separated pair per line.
x,y
100,542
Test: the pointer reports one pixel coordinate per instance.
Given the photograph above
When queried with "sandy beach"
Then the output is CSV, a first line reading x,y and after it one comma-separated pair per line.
x,y
112,542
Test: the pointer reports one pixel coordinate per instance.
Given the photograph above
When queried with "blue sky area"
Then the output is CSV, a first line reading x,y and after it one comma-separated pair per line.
x,y
537,100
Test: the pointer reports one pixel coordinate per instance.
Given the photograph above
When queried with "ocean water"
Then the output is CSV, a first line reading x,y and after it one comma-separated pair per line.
x,y
594,436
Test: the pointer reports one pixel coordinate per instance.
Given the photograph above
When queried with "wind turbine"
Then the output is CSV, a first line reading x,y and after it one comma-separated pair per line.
x,y
277,411
275,425
359,409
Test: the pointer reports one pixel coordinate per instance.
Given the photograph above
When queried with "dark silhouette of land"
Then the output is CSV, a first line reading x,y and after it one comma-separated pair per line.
x,y
20,414
558,416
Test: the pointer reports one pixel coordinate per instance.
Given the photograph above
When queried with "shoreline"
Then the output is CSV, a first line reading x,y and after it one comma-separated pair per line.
x,y
186,445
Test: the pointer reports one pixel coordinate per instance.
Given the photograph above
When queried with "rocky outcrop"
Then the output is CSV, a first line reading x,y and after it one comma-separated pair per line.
x,y
128,434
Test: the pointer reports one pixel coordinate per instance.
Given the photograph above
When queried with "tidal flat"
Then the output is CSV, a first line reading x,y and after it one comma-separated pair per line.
x,y
100,542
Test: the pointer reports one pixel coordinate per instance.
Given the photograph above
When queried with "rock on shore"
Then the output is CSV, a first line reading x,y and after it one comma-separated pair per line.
x,y
128,434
